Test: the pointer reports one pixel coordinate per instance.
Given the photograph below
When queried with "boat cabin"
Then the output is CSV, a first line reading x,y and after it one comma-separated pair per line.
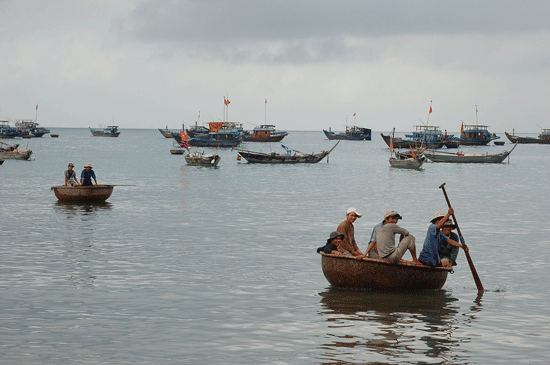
x,y
545,134
476,132
426,133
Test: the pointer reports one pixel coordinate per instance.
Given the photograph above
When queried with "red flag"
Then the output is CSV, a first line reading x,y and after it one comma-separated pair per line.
x,y
412,151
462,127
354,114
36,106
391,144
430,109
266,101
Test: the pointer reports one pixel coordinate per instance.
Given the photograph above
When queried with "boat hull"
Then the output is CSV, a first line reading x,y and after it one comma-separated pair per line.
x,y
272,138
407,163
376,274
207,160
209,142
526,140
96,193
346,137
434,157
16,155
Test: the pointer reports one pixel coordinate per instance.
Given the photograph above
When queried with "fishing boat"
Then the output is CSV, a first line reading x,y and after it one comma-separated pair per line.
x,y
291,157
378,274
109,131
95,193
475,135
200,159
467,157
407,163
29,128
167,133
544,138
7,131
266,133
13,152
352,133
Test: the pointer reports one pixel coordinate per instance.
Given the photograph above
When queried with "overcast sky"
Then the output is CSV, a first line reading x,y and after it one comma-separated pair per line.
x,y
152,63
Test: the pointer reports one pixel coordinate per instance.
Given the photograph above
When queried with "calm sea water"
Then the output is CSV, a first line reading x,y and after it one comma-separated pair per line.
x,y
202,266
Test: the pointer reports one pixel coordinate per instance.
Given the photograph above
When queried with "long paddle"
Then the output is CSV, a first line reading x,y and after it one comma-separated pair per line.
x,y
470,262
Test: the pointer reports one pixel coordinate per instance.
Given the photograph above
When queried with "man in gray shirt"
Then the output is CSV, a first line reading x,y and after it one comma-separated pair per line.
x,y
384,238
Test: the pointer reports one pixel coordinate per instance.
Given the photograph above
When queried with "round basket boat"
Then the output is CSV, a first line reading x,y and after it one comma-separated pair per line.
x,y
95,193
377,274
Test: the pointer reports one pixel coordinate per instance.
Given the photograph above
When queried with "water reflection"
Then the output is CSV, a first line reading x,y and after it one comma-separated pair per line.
x,y
389,325
74,208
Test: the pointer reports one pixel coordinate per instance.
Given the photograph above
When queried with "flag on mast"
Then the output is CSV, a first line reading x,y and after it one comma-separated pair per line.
x,y
37,107
354,114
266,101
430,110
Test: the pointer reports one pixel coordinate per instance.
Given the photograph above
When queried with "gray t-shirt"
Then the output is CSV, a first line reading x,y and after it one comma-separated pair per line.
x,y
384,236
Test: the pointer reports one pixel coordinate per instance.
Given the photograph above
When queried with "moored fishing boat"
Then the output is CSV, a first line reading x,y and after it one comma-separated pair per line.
x,y
13,152
352,133
467,157
378,274
407,163
167,133
109,131
95,193
266,133
200,159
544,138
29,128
291,157
7,131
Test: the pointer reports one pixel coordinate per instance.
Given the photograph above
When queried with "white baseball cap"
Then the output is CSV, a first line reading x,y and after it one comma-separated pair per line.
x,y
353,210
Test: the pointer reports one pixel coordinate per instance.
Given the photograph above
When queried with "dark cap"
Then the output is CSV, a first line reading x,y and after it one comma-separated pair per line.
x,y
335,234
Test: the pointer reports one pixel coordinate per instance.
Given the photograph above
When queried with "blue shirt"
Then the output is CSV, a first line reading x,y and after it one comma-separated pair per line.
x,y
87,176
430,251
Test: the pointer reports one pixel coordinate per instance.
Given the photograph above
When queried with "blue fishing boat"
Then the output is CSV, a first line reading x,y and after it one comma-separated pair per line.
x,y
352,133
7,131
475,135
109,131
27,128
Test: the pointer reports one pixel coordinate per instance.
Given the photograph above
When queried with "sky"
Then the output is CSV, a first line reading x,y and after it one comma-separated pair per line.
x,y
152,63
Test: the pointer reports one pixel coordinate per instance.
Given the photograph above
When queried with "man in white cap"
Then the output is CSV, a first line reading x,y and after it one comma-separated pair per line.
x,y
349,246
384,239
435,239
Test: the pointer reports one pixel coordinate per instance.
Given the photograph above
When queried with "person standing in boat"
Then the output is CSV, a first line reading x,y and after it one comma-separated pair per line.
x,y
349,246
335,239
70,176
87,175
384,239
435,239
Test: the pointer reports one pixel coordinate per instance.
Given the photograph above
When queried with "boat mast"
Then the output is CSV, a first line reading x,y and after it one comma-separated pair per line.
x,y
36,115
477,123
265,112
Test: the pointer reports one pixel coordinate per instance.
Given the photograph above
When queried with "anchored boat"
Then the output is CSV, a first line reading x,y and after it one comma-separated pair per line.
x,y
291,157
109,131
467,157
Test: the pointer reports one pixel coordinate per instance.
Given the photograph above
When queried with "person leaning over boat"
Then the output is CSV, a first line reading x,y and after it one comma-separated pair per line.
x,y
384,239
334,240
349,246
87,175
372,250
70,176
435,239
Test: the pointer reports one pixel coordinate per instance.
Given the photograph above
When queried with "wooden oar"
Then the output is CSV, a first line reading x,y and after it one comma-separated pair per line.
x,y
470,262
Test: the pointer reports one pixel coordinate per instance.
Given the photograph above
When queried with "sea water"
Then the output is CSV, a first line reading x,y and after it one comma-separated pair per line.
x,y
199,265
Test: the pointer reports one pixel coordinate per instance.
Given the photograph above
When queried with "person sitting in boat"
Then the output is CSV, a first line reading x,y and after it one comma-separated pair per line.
x,y
349,246
384,239
334,240
447,251
70,176
87,175
390,216
435,239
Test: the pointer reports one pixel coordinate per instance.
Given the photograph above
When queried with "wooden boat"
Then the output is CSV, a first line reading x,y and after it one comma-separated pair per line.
x,y
54,135
109,131
544,138
95,193
468,157
291,157
166,132
418,152
177,151
475,135
200,159
13,152
407,163
266,133
399,142
352,133
377,274
499,143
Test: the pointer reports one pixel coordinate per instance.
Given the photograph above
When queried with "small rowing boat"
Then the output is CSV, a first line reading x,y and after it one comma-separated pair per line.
x,y
467,157
13,152
200,159
378,274
291,157
95,193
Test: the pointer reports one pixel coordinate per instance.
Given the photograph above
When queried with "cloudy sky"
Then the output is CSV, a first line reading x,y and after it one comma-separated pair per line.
x,y
152,63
